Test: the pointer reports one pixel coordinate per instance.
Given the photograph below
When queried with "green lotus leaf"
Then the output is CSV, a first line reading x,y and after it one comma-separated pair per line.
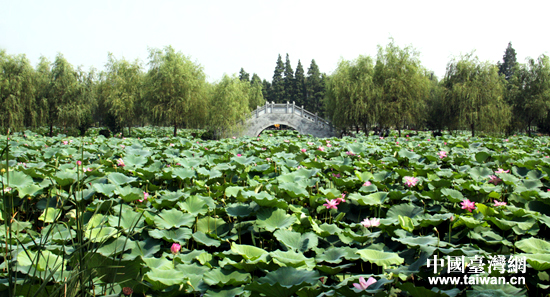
x,y
266,200
538,261
64,178
294,189
406,223
533,245
240,210
120,179
520,223
50,215
377,198
247,251
194,205
335,255
183,173
297,241
480,173
213,226
30,190
272,219
129,193
40,260
146,248
59,233
497,290
419,241
116,246
163,278
406,210
284,282
453,195
134,161
421,291
225,292
233,191
481,157
173,218
175,235
380,258
332,270
128,220
292,259
222,277
105,189
100,234
202,238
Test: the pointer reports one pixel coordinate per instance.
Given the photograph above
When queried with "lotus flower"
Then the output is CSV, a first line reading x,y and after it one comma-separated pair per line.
x,y
468,205
145,195
367,223
367,183
342,199
238,155
498,203
494,180
120,163
410,181
364,284
321,149
79,163
304,150
176,247
333,203
500,170
350,153
310,143
442,154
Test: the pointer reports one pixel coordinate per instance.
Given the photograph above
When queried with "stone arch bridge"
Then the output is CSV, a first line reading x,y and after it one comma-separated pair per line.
x,y
288,114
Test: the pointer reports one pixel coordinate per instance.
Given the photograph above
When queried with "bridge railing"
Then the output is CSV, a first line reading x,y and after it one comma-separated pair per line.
x,y
277,108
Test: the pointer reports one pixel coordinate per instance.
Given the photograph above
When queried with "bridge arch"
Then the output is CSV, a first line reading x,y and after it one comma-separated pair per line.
x,y
288,114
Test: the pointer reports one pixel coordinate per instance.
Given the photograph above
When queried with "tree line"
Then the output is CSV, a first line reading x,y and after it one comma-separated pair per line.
x,y
172,92
288,85
395,90
391,90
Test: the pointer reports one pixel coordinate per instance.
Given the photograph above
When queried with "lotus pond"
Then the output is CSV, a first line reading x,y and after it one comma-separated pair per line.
x,y
277,215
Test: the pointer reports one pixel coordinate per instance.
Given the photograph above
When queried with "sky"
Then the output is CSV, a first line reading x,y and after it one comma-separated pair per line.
x,y
223,36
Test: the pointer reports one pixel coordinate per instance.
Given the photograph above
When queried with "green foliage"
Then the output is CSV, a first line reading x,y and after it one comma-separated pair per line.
x,y
315,87
176,89
277,83
506,68
300,85
474,95
403,86
229,103
288,82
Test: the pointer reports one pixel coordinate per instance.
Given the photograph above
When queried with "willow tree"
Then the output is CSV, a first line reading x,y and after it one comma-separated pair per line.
x,y
530,91
255,95
230,96
176,89
122,91
403,86
17,92
351,95
474,95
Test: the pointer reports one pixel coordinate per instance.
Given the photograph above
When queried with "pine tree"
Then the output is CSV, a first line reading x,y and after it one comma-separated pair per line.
x,y
288,82
299,85
255,79
315,89
509,61
277,84
266,90
243,75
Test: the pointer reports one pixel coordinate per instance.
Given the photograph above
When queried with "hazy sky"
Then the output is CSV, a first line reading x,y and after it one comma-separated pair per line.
x,y
224,36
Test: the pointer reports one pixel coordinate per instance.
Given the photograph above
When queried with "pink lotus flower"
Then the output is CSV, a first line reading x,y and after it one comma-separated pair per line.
x,y
120,163
79,163
468,205
310,143
381,137
321,149
367,183
333,203
238,155
336,175
270,134
234,137
498,203
410,181
287,141
176,247
268,159
364,284
494,180
122,146
367,223
500,170
65,142
87,169
341,199
442,154
145,196
506,140
397,142
429,139
303,150
350,153
171,144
